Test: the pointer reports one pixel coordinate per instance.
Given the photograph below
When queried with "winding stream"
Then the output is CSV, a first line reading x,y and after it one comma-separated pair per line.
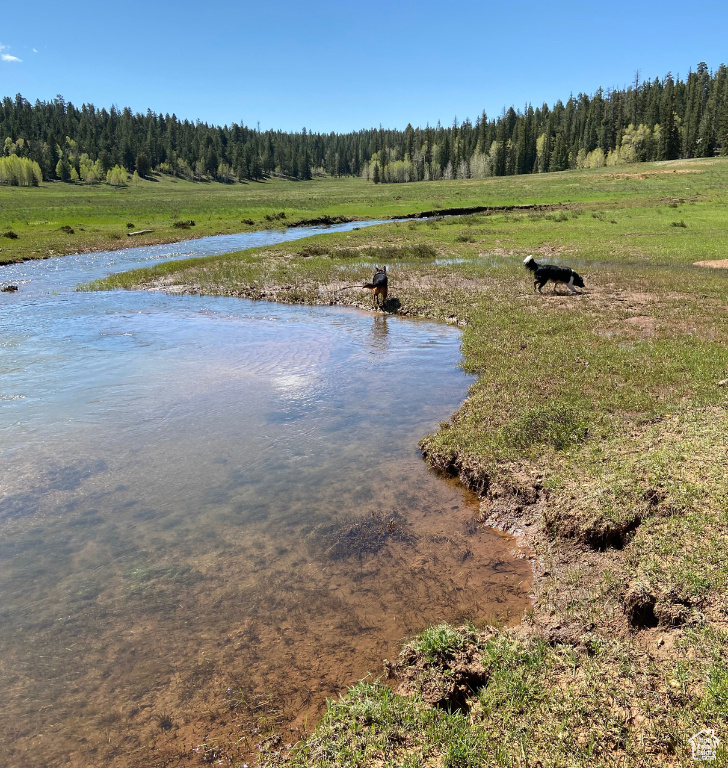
x,y
213,512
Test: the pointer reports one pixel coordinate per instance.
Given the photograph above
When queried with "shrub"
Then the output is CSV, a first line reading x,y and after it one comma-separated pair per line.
x,y
116,177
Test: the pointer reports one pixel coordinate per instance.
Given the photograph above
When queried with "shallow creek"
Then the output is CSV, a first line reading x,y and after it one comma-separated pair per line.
x,y
213,512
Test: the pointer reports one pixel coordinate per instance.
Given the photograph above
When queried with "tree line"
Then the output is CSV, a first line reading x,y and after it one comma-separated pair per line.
x,y
661,119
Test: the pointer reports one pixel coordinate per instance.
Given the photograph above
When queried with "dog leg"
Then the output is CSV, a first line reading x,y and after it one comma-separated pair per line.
x,y
570,285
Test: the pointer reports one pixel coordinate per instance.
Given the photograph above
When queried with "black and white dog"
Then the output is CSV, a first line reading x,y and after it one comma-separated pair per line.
x,y
542,273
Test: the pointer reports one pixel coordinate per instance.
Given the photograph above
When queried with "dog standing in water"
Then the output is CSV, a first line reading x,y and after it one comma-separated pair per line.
x,y
378,285
542,273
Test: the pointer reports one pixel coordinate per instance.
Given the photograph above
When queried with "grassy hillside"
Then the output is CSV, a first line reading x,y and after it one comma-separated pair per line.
x,y
596,430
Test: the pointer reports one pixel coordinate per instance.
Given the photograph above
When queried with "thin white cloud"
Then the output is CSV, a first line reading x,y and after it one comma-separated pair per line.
x,y
35,50
7,56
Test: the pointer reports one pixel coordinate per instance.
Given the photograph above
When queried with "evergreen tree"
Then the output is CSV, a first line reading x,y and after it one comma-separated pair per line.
x,y
669,144
499,163
143,166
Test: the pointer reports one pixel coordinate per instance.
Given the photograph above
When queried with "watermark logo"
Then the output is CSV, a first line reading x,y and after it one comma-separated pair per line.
x,y
704,745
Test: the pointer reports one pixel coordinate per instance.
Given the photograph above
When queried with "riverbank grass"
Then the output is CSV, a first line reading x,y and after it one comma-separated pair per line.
x,y
540,704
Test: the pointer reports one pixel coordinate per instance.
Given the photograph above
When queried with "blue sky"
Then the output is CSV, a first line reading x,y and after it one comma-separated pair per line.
x,y
336,66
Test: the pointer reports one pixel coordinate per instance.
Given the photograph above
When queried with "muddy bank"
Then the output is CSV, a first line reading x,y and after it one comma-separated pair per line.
x,y
486,209
323,221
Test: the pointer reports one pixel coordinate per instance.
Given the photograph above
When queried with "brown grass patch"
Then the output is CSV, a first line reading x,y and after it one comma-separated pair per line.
x,y
717,264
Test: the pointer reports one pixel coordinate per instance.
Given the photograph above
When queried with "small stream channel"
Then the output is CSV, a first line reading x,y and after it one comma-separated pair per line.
x,y
213,512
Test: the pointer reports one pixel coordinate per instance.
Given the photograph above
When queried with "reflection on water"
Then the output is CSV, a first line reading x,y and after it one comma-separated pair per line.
x,y
214,515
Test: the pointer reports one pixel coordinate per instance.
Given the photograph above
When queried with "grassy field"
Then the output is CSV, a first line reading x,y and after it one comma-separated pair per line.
x,y
597,429
100,217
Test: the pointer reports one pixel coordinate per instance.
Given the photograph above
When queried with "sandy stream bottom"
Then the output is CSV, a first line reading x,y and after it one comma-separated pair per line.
x,y
212,651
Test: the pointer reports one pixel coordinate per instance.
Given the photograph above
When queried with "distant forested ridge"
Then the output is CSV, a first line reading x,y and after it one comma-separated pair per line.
x,y
662,119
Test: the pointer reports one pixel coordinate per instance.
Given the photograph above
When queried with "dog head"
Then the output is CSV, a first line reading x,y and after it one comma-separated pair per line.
x,y
578,280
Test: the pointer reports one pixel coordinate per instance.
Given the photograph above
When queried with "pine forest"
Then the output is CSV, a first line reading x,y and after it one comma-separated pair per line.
x,y
661,119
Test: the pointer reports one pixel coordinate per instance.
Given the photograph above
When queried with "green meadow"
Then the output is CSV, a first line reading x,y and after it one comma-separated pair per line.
x,y
102,216
597,429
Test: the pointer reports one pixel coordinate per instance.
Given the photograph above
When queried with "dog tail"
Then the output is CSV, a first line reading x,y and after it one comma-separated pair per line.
x,y
530,263
379,280
376,284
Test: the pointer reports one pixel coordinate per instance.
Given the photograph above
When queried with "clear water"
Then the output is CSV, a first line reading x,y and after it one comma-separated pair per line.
x,y
213,513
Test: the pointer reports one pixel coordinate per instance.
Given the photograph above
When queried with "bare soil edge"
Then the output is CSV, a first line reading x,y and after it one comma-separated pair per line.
x,y
716,264
513,499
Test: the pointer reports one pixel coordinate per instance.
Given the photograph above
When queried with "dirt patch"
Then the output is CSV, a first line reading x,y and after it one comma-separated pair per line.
x,y
642,175
579,519
647,608
591,530
639,604
513,502
643,323
717,264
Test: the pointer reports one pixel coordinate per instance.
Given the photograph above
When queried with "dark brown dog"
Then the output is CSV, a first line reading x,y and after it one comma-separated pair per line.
x,y
378,285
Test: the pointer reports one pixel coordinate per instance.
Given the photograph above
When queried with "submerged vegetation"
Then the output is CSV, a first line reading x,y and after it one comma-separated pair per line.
x,y
596,430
